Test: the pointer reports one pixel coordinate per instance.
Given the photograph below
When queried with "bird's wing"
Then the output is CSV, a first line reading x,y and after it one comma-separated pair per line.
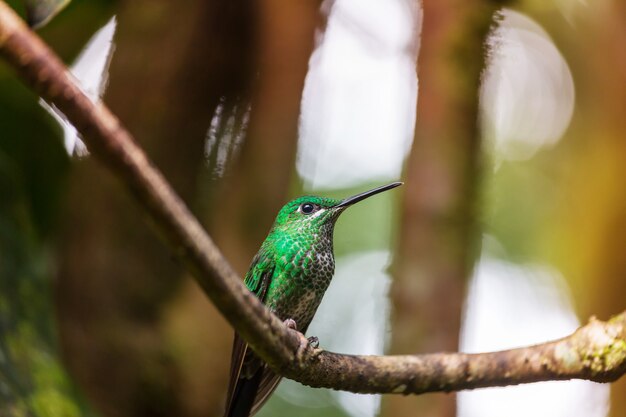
x,y
267,385
242,391
240,348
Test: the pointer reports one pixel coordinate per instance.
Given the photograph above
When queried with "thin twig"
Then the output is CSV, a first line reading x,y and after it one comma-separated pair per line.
x,y
596,351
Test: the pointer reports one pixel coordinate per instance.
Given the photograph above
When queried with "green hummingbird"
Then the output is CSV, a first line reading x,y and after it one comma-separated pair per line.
x,y
290,275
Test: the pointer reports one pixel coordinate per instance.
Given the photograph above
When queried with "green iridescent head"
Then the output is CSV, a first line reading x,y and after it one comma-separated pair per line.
x,y
310,212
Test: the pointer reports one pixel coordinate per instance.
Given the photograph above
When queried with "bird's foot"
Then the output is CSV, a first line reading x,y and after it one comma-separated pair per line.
x,y
305,343
291,323
314,342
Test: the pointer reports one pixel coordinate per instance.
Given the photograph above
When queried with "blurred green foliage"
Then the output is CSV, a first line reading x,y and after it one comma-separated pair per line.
x,y
33,168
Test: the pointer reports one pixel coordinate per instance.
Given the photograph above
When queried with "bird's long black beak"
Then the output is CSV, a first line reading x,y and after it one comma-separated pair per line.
x,y
359,197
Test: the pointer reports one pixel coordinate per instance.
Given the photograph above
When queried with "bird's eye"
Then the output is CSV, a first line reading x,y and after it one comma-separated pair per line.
x,y
307,208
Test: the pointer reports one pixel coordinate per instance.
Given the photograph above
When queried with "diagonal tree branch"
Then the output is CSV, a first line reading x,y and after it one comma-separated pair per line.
x,y
596,351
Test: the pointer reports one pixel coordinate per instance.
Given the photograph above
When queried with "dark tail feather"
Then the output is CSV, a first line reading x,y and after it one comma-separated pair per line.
x,y
245,393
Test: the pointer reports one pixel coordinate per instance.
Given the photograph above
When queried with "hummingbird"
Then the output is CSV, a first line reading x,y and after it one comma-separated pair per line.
x,y
289,274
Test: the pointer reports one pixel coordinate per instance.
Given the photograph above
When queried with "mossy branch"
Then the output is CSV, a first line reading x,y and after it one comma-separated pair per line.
x,y
595,352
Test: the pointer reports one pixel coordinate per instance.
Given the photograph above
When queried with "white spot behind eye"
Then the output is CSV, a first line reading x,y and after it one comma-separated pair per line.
x,y
319,211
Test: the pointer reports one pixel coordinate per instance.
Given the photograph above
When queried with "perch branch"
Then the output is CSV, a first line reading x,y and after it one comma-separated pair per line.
x,y
596,351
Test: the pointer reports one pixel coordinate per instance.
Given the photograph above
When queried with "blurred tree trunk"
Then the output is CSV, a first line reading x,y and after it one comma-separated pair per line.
x,y
437,241
172,65
591,226
606,280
